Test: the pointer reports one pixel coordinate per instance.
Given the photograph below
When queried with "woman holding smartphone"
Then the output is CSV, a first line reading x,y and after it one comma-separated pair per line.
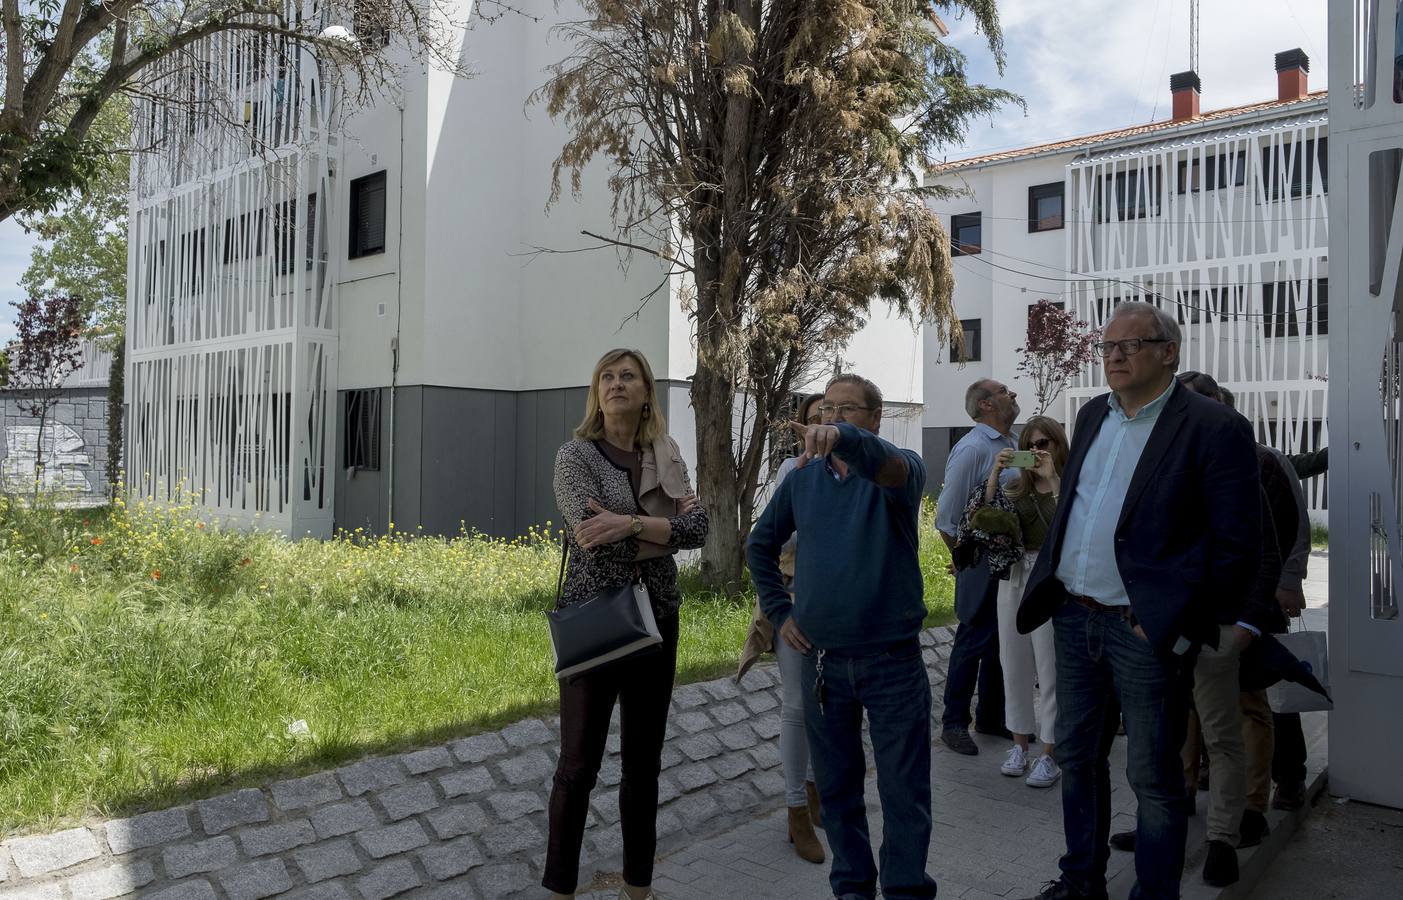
x,y
1022,513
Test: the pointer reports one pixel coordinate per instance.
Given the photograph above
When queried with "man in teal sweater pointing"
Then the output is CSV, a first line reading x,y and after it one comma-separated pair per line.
x,y
856,616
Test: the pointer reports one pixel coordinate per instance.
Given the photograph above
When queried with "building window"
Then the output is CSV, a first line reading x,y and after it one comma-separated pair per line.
x,y
971,330
1288,314
367,215
1136,193
1285,168
1045,206
243,236
965,234
1214,172
363,430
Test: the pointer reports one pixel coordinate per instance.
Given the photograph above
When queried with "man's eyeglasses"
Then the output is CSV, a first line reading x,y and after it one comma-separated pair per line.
x,y
1041,443
1128,347
841,409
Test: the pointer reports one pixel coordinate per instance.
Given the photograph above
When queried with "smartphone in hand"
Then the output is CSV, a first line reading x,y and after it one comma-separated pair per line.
x,y
1022,459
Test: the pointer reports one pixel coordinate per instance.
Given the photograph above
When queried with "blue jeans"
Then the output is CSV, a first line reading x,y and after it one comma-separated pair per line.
x,y
793,738
892,687
1104,667
974,657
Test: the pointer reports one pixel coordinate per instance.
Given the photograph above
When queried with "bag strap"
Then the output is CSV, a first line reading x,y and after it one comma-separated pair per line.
x,y
564,553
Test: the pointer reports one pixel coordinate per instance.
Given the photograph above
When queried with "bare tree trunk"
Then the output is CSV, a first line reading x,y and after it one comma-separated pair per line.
x,y
39,454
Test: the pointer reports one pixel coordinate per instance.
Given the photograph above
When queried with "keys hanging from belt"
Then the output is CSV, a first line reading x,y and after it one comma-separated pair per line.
x,y
818,682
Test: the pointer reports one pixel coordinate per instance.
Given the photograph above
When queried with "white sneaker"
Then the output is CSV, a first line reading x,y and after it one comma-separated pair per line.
x,y
1045,773
1016,763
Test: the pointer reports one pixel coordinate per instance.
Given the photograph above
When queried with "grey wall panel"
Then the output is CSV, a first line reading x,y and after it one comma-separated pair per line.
x,y
458,461
527,486
75,442
935,449
551,432
408,458
504,464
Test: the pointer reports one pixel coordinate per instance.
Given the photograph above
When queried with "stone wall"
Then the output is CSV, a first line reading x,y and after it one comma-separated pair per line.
x,y
466,819
75,447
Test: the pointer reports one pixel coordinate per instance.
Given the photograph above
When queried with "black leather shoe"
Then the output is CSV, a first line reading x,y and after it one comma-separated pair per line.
x,y
1060,890
1289,795
958,739
1220,868
1124,841
1254,828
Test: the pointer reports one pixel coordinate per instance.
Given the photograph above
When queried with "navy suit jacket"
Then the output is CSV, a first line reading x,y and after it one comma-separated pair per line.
x,y
1189,539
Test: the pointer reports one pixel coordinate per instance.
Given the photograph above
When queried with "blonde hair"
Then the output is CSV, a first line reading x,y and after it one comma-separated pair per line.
x,y
1053,431
650,427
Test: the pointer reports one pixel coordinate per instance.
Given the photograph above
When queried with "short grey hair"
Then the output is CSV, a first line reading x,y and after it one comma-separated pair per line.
x,y
976,394
1163,327
870,392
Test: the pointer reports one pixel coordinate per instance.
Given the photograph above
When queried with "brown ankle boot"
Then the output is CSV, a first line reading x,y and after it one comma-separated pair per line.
x,y
801,835
815,811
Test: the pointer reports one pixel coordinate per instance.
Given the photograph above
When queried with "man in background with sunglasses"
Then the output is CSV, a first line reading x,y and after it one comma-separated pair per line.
x,y
1159,526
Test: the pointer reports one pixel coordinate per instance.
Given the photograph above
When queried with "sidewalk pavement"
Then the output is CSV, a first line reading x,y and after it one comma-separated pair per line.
x,y
995,838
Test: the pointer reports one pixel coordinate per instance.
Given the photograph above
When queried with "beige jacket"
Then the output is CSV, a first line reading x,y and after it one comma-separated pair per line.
x,y
661,486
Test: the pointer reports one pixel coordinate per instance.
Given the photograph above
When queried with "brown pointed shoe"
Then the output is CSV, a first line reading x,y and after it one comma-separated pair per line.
x,y
801,835
815,810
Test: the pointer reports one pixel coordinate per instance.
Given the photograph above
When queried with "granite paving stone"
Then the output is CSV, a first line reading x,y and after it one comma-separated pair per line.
x,y
388,880
459,818
527,733
255,880
194,859
231,810
189,890
148,829
477,748
111,881
450,859
343,818
300,793
389,840
429,760
533,767
277,838
328,860
502,880
408,800
370,775
46,853
467,781
512,805
512,837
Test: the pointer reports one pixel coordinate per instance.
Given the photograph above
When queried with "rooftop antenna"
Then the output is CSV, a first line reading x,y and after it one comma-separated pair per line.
x,y
1193,36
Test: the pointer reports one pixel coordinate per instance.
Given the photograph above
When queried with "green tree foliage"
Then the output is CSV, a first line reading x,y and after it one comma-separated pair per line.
x,y
83,249
771,153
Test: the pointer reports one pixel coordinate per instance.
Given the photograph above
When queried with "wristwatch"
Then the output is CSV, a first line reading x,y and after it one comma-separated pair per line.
x,y
637,528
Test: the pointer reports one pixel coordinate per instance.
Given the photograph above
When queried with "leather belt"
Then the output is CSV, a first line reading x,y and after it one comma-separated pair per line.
x,y
1125,612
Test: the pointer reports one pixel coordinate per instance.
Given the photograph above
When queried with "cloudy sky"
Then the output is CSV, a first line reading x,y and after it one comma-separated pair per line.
x,y
1083,66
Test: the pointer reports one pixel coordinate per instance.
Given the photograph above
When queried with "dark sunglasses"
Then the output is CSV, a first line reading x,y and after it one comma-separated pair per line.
x,y
1041,443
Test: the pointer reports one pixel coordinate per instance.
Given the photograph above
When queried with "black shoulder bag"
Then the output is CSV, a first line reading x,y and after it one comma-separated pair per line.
x,y
616,622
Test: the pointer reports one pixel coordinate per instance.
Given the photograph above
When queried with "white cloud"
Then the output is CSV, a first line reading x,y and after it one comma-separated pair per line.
x,y
1086,66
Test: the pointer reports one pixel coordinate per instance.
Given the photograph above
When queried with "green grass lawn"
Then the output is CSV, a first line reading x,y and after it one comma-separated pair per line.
x,y
146,660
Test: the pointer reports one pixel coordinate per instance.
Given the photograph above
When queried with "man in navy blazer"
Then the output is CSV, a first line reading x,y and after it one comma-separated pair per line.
x,y
1158,525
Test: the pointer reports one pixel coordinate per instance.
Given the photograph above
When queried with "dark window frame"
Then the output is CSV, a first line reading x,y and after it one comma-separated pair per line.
x,y
958,224
362,430
1047,191
363,240
1283,309
1300,166
976,354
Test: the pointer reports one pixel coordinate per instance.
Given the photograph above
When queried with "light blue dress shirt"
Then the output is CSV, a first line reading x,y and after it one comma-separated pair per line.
x,y
971,460
1087,565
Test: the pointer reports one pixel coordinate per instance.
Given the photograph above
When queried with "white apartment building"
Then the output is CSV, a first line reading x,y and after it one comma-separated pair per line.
x,y
339,322
1366,400
1219,216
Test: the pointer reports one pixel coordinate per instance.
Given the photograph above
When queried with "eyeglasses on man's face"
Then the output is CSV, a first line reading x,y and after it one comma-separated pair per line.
x,y
841,409
1128,347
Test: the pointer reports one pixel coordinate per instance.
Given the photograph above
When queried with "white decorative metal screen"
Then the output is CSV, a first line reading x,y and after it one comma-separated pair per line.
x,y
231,323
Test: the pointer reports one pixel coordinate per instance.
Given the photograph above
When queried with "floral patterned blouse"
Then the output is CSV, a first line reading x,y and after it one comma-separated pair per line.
x,y
582,473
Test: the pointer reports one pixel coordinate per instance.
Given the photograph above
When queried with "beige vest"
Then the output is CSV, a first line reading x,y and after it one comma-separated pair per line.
x,y
661,485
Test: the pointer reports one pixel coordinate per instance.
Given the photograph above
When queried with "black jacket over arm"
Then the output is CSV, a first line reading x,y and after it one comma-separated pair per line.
x,y
1188,542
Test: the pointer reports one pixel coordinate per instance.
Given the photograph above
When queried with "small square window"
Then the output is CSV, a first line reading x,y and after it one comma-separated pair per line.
x,y
971,330
367,215
1045,203
965,234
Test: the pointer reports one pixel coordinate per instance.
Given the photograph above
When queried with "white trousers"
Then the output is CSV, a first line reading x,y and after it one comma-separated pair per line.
x,y
1028,660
